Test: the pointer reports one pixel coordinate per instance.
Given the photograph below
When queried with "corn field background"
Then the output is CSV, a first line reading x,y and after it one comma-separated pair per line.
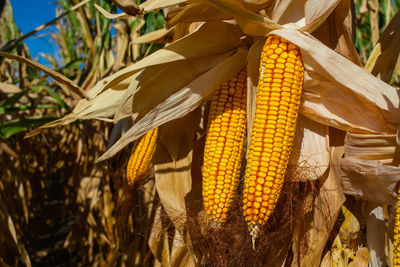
x,y
60,207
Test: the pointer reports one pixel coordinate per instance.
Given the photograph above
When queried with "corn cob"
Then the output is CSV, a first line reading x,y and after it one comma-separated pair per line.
x,y
141,156
277,104
224,146
396,242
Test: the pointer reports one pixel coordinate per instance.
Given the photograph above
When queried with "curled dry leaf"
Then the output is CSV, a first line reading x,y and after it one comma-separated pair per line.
x,y
371,147
110,15
128,6
383,58
65,83
362,178
159,36
7,88
183,101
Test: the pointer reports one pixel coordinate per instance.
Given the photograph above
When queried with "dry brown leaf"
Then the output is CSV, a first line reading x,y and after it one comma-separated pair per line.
x,y
310,154
159,36
337,32
151,5
128,6
369,180
371,147
172,164
109,15
376,232
361,259
183,101
383,58
65,83
7,88
251,23
326,209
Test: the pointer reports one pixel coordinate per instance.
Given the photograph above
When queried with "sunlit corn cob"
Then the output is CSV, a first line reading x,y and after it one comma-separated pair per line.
x,y
224,146
141,156
277,104
396,242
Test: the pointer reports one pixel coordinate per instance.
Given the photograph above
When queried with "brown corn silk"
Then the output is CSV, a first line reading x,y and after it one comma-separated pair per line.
x,y
277,104
141,156
224,146
396,238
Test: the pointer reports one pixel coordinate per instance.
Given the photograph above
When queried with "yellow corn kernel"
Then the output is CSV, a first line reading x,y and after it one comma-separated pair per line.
x,y
277,128
224,145
396,238
141,156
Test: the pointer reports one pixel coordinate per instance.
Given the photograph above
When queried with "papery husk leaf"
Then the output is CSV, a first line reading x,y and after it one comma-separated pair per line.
x,y
326,209
367,104
337,32
383,58
128,6
253,67
151,5
376,231
316,12
196,11
102,105
109,15
7,88
65,83
251,23
156,83
371,147
361,259
210,38
369,180
158,240
159,36
172,164
183,101
310,155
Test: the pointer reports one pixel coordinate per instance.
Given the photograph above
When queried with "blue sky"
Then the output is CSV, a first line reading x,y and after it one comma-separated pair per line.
x,y
28,15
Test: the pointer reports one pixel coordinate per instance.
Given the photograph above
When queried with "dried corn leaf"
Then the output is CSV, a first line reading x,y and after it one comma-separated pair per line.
x,y
310,154
316,12
109,15
383,58
196,11
159,36
326,209
151,5
337,32
172,164
252,82
7,88
361,259
369,180
376,231
367,104
251,23
371,146
65,83
128,6
183,101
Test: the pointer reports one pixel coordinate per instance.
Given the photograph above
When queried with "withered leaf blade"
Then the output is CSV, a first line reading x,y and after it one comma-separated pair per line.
x,y
110,15
128,6
183,101
65,83
369,180
383,58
